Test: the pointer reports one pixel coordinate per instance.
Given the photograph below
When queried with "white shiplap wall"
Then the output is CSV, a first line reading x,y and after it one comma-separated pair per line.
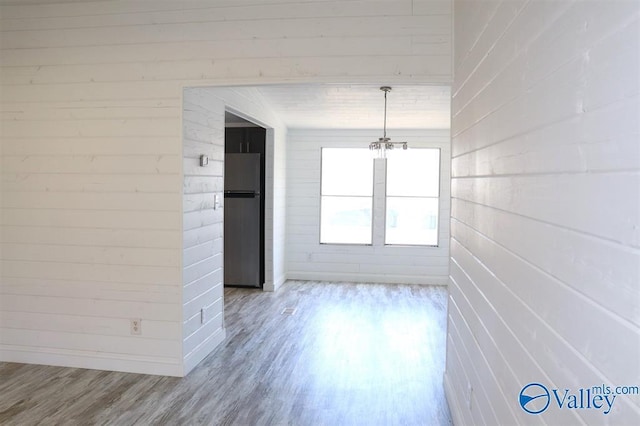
x,y
203,123
202,244
91,234
310,260
92,195
545,207
238,40
276,207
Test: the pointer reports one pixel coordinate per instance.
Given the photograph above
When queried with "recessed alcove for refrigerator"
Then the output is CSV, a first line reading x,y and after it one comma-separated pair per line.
x,y
244,207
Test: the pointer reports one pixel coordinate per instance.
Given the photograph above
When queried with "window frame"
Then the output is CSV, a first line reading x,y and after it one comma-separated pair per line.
x,y
437,198
378,197
371,197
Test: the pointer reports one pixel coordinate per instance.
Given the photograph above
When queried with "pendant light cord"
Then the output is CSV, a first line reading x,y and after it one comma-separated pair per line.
x,y
384,143
385,115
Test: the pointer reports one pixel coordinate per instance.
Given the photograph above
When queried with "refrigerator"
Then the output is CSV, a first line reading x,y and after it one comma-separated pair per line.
x,y
242,220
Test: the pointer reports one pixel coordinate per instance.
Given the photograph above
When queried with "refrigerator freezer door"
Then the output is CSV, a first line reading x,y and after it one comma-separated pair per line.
x,y
242,220
242,172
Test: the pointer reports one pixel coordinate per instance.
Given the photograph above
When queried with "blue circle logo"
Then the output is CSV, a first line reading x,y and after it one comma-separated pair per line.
x,y
534,398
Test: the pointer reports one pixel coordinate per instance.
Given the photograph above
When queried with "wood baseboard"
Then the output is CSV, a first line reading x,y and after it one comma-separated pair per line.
x,y
91,360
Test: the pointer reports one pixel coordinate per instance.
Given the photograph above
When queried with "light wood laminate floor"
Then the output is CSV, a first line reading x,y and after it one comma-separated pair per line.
x,y
351,354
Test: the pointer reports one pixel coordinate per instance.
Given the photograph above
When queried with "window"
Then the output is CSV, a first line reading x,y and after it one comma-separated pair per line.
x,y
407,189
346,202
413,187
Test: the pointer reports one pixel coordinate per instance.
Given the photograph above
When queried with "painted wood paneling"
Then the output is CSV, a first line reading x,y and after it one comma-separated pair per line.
x,y
308,259
277,213
94,205
545,208
138,13
203,229
203,120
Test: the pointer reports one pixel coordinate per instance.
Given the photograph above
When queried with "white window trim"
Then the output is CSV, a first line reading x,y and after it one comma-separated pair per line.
x,y
437,197
379,207
354,196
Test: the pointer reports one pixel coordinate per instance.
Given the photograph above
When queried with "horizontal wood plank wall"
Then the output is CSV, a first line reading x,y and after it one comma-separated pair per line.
x,y
276,208
91,236
308,259
545,208
202,256
94,47
1,220
92,188
203,227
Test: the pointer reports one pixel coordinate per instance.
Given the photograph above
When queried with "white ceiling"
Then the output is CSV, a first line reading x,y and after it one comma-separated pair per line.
x,y
359,106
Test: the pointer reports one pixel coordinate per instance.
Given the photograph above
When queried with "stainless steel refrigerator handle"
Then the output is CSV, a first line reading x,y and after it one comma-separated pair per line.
x,y
241,194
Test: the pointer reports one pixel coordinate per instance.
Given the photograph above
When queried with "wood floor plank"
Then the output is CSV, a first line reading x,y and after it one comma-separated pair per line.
x,y
350,354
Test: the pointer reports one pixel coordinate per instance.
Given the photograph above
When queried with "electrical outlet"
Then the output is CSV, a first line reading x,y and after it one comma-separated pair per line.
x,y
136,326
203,316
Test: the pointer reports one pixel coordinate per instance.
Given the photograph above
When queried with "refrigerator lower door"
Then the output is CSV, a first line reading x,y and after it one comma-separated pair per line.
x,y
242,241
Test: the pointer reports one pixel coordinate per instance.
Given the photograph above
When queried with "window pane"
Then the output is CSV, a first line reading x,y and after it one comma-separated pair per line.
x,y
346,220
414,172
412,221
347,171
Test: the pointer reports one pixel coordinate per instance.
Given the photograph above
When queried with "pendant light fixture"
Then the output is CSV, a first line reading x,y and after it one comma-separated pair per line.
x,y
384,143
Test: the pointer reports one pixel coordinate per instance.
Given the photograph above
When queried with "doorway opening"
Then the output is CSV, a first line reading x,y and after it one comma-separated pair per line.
x,y
244,202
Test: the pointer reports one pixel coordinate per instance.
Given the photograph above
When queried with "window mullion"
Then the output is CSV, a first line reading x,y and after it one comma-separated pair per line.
x,y
379,200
